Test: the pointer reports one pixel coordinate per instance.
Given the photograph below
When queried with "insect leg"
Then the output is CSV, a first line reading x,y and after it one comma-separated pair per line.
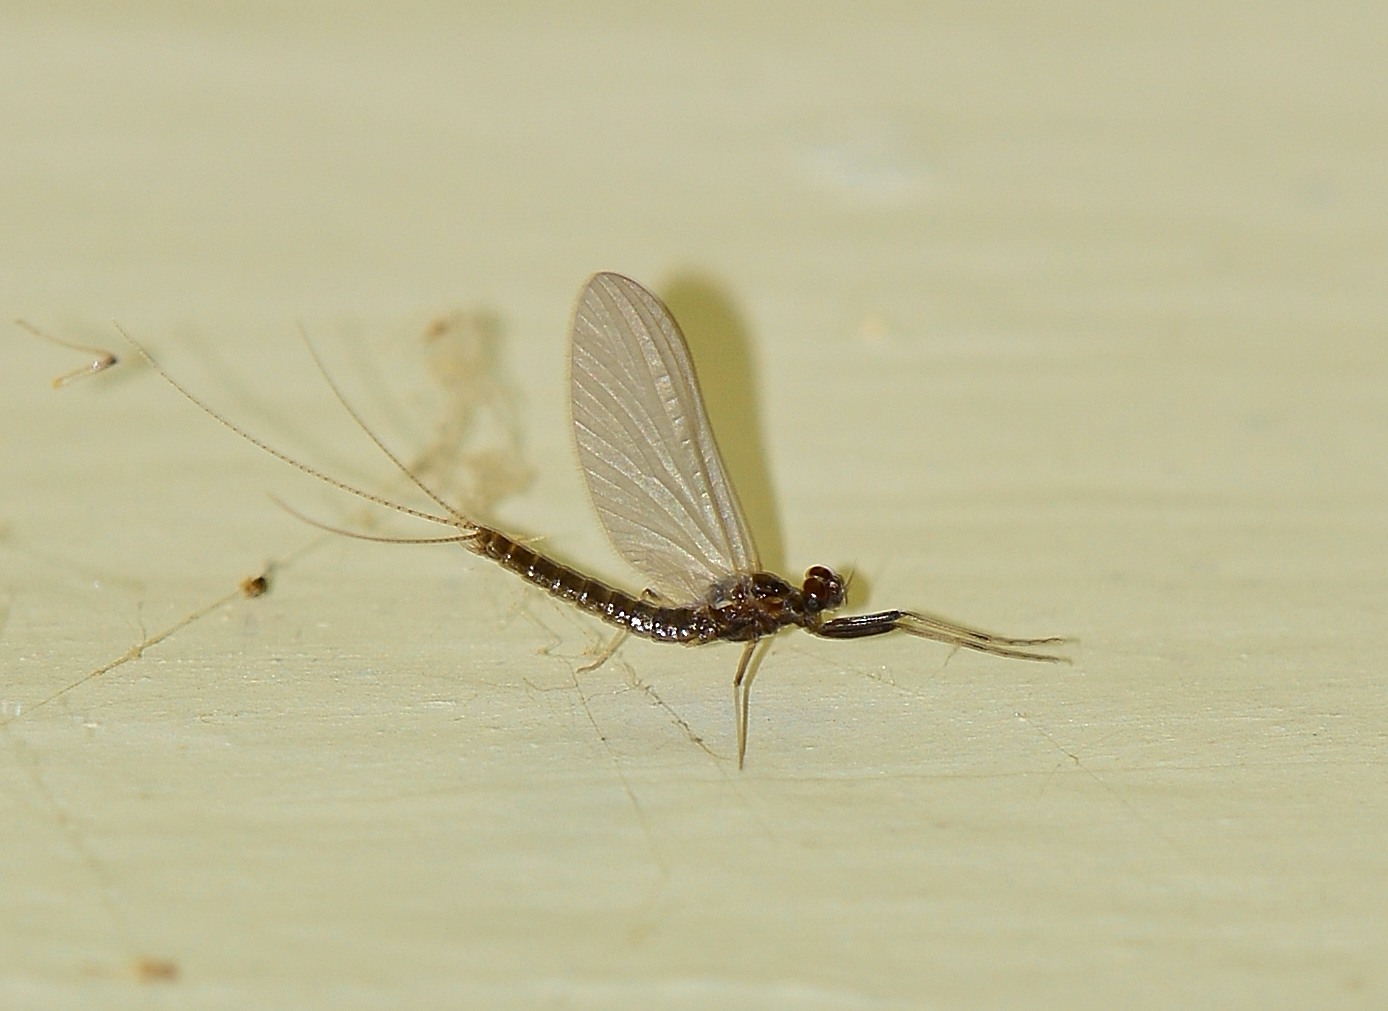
x,y
606,653
742,696
929,627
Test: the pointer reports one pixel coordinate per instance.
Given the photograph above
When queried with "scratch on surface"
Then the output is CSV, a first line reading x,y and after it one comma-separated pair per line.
x,y
1137,815
644,921
133,653
86,856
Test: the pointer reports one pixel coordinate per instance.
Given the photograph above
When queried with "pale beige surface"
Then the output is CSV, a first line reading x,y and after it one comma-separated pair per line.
x,y
1054,319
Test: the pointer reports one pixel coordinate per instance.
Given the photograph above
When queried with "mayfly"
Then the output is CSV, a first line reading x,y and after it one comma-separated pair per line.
x,y
657,481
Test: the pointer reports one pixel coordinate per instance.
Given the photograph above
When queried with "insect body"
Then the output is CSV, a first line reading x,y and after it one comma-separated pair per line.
x,y
661,492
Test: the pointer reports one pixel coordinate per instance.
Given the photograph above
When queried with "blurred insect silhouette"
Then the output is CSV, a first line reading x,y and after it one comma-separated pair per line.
x,y
658,483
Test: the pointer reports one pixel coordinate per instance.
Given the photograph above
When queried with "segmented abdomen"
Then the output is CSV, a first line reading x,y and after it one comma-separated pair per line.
x,y
639,617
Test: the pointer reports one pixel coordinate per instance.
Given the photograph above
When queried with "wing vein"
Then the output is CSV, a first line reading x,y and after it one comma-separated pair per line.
x,y
646,446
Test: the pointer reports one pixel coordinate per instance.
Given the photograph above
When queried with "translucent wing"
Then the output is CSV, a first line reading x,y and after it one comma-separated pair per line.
x,y
646,447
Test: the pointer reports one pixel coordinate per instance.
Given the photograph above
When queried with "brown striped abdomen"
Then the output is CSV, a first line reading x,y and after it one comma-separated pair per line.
x,y
639,617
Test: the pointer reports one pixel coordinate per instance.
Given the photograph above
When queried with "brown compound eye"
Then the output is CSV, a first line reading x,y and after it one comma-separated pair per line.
x,y
823,589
